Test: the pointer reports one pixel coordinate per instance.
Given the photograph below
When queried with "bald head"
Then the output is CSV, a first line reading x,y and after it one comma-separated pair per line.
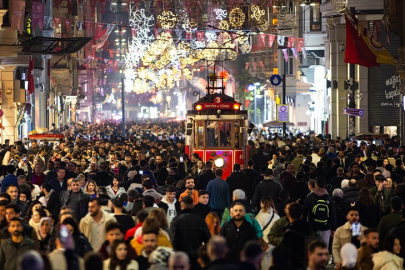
x,y
216,248
352,183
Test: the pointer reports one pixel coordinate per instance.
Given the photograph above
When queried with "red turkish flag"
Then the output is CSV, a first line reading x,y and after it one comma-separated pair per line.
x,y
300,44
68,22
271,39
262,40
291,42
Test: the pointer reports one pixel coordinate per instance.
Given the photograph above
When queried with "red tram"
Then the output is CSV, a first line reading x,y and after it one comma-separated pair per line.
x,y
217,128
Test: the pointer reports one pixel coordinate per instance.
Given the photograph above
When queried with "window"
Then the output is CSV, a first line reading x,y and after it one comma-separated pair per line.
x,y
217,134
315,17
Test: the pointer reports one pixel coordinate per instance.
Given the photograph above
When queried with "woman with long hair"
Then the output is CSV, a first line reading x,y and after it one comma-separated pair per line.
x,y
266,218
182,170
34,206
198,169
368,209
91,188
213,223
160,215
82,245
389,258
119,259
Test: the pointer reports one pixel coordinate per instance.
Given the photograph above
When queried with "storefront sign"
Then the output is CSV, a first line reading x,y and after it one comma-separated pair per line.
x,y
210,106
352,111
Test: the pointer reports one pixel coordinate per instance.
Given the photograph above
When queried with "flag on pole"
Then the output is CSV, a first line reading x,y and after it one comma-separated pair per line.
x,y
31,85
361,48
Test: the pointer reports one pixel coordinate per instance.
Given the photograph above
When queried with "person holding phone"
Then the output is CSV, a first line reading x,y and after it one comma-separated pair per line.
x,y
351,232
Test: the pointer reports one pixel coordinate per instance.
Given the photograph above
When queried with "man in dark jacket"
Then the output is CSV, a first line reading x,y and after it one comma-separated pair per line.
x,y
237,232
351,194
103,178
300,190
296,234
204,178
260,158
59,184
52,173
13,247
52,200
251,174
13,211
76,200
399,231
388,222
319,210
188,231
287,178
266,188
238,180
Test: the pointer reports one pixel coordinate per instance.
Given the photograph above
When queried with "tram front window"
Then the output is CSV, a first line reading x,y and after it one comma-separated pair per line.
x,y
217,134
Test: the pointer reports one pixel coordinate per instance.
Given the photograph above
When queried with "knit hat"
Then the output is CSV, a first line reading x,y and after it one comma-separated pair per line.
x,y
348,254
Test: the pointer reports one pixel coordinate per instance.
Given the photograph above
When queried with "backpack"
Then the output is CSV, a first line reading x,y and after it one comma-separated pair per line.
x,y
320,212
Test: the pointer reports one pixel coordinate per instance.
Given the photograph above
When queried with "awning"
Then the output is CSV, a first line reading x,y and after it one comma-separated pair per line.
x,y
49,45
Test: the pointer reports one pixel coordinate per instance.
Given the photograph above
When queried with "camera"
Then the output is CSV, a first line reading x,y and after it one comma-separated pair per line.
x,y
342,47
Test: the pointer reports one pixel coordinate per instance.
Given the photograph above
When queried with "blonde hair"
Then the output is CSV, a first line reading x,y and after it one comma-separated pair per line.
x,y
91,181
268,203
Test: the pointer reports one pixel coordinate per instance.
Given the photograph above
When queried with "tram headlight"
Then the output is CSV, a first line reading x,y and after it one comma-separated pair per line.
x,y
198,107
219,162
236,106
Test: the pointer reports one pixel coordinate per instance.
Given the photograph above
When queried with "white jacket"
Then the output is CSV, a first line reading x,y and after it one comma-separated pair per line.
x,y
263,218
133,265
111,193
385,260
171,210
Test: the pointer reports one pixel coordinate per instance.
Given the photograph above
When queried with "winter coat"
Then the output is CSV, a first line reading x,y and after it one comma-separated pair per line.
x,y
350,195
110,192
267,187
204,178
309,203
277,231
84,199
188,231
295,237
9,254
387,223
236,238
386,260
238,180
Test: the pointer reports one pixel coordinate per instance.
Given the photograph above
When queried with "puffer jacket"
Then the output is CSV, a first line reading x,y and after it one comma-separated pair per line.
x,y
84,199
386,260
9,254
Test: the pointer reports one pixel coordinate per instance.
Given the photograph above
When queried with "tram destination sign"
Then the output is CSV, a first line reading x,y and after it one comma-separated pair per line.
x,y
213,106
352,111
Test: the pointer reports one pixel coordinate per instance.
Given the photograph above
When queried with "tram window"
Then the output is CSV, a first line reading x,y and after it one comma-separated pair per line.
x,y
199,134
218,134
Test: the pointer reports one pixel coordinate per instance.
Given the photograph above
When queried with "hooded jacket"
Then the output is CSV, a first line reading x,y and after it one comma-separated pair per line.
x,y
386,260
171,209
309,203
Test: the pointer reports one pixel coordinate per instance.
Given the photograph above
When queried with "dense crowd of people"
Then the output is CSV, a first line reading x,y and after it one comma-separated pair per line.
x,y
95,200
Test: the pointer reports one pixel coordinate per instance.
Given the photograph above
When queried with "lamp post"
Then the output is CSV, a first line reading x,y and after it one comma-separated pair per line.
x,y
255,102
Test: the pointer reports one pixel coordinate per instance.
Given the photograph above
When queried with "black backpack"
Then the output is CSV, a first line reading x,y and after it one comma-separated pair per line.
x,y
320,211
